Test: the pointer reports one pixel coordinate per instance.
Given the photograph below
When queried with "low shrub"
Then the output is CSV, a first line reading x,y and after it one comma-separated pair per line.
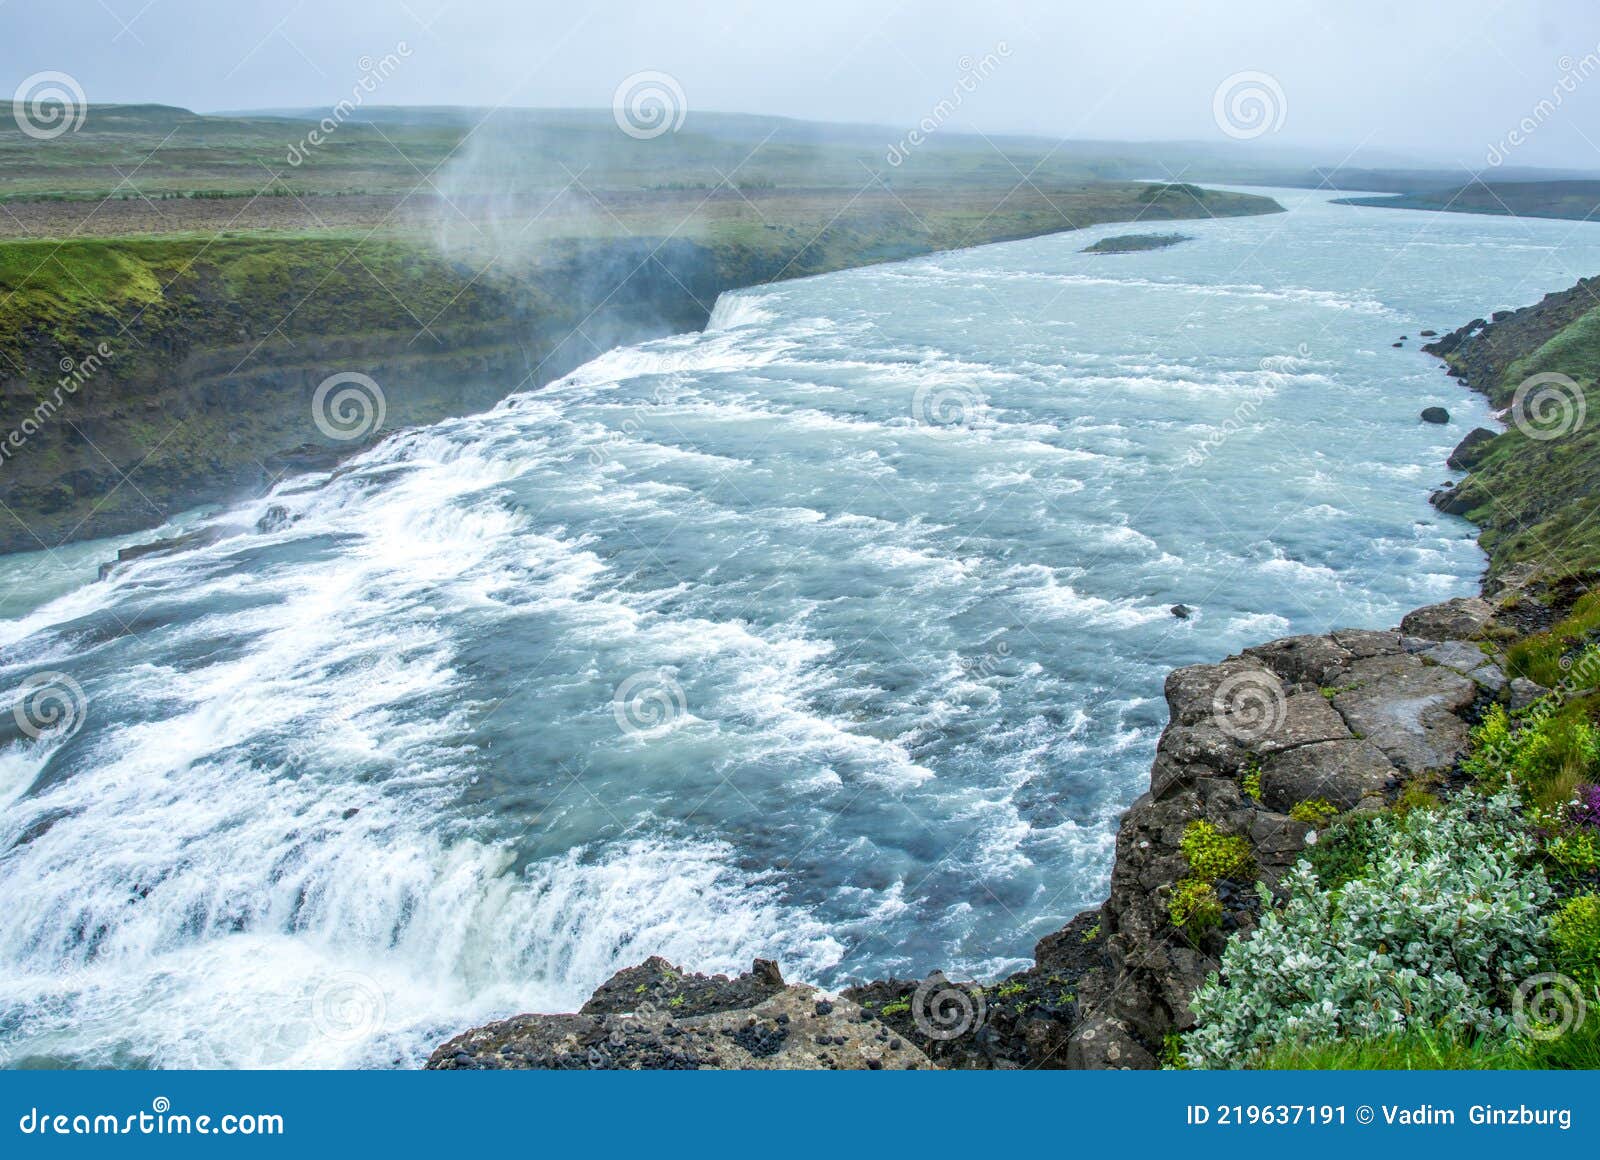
x,y
1574,851
1418,794
1314,811
1434,934
1195,906
1549,755
1346,850
1212,854
1575,930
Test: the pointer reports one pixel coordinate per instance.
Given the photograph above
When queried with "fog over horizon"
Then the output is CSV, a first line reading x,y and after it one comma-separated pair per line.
x,y
1431,83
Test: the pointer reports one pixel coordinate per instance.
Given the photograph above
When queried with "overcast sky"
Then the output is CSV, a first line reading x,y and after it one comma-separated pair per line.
x,y
1445,81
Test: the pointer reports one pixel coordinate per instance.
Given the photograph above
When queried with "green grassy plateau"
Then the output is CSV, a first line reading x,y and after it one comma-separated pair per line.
x,y
228,266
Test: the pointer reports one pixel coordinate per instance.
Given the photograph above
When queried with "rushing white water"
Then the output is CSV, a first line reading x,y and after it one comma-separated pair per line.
x,y
834,634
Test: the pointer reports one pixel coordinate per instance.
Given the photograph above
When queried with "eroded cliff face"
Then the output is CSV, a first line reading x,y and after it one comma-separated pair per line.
x,y
1343,721
141,375
1482,352
203,389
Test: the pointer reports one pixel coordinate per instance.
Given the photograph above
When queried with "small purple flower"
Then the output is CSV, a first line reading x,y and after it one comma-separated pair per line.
x,y
1586,810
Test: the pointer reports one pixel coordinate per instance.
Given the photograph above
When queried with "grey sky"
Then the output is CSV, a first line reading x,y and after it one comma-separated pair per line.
x,y
1437,81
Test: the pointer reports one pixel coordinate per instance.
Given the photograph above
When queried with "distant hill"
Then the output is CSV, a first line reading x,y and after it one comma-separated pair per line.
x,y
150,150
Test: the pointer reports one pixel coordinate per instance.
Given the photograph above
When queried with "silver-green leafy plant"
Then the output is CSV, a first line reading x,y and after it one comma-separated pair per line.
x,y
1450,917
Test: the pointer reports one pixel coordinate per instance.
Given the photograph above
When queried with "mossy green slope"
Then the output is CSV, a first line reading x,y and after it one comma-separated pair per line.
x,y
1535,489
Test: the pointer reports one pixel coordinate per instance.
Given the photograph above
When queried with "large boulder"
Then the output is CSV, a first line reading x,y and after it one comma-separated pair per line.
x,y
1302,660
1470,450
657,1017
1408,709
1347,775
1457,499
1460,619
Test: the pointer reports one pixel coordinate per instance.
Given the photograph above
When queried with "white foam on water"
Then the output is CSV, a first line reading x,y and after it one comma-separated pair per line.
x,y
355,782
427,937
733,310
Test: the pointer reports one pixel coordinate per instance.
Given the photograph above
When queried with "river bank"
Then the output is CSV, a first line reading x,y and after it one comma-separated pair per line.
x,y
1262,752
146,374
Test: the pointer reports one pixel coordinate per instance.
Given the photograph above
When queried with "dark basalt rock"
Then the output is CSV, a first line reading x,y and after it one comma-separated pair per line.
x,y
657,1017
194,539
658,983
275,518
1181,611
1435,415
1456,500
1302,659
1460,619
1471,449
1347,774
